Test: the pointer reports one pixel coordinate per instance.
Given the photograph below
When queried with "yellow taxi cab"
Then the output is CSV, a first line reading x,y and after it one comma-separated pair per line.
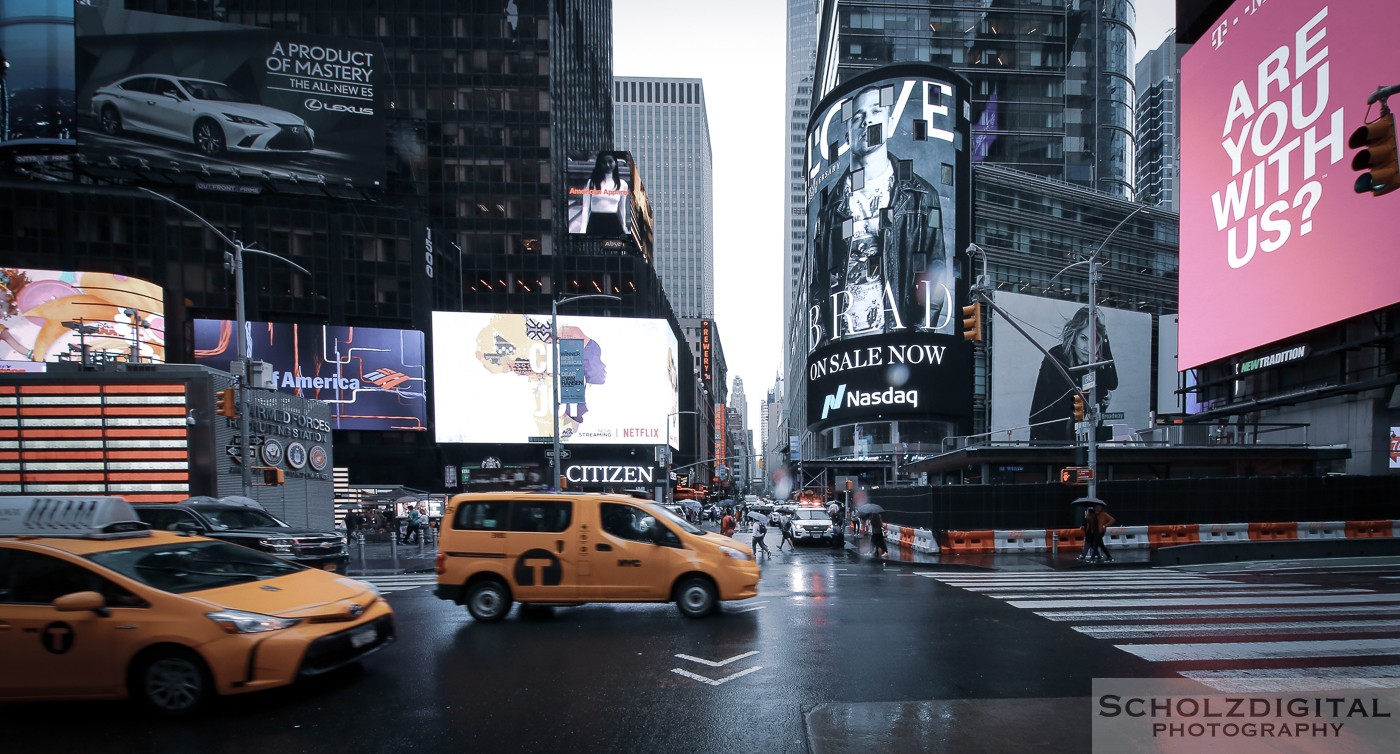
x,y
567,549
93,605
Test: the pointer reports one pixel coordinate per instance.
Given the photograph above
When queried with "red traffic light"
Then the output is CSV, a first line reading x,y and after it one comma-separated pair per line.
x,y
1376,140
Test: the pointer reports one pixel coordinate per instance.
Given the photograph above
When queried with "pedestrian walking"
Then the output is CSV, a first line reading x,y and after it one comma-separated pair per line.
x,y
877,536
760,531
726,525
415,526
1102,520
785,526
1088,526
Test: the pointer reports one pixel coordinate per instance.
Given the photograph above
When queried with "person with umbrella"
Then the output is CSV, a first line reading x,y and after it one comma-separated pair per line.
x,y
1102,520
760,532
870,513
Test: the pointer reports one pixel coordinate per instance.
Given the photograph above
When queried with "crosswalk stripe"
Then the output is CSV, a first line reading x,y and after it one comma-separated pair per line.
x,y
1251,629
1275,612
1264,680
1138,594
1168,585
1206,599
1059,576
1262,650
401,582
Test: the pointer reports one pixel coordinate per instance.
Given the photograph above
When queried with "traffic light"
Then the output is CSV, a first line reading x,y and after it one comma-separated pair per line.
x,y
563,482
1376,140
274,475
1078,408
224,403
972,322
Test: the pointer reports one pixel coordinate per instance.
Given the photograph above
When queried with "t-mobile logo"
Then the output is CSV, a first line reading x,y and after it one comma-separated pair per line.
x,y
833,401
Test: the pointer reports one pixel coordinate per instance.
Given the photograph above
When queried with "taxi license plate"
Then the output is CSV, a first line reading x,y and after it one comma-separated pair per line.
x,y
363,637
328,566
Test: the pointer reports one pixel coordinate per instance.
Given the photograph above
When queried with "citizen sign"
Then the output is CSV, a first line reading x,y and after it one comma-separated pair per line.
x,y
610,474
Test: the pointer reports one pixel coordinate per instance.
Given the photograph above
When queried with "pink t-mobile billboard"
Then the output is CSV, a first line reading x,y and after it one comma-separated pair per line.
x,y
1274,241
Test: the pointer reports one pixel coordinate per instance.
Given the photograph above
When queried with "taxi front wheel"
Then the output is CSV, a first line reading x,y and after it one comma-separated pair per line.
x,y
171,681
488,600
696,598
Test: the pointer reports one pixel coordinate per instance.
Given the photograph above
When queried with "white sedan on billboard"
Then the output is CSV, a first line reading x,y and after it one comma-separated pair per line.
x,y
209,114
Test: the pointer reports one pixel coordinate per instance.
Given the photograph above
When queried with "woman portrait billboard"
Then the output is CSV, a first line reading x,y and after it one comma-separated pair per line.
x,y
888,175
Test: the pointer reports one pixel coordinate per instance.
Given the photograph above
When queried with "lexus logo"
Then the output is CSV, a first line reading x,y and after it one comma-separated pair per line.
x,y
355,610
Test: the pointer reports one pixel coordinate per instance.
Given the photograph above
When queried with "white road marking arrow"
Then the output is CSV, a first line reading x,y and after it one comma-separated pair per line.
x,y
712,681
719,664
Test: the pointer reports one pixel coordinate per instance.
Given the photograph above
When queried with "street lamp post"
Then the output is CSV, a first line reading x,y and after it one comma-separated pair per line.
x,y
554,338
234,262
667,496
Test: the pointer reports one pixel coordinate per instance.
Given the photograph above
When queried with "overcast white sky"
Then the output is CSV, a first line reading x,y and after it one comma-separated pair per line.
x,y
737,48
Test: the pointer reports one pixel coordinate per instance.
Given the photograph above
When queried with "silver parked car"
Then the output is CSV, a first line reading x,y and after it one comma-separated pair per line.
x,y
208,114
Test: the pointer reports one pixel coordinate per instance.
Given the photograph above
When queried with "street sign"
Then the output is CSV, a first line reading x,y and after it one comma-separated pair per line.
x,y
564,453
1076,475
1088,382
541,439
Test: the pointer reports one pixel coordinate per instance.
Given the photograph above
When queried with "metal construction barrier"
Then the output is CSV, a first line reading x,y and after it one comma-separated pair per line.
x,y
1023,540
1224,532
1129,537
1322,530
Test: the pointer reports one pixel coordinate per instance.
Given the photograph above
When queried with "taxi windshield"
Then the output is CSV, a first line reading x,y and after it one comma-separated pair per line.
x,y
673,519
192,566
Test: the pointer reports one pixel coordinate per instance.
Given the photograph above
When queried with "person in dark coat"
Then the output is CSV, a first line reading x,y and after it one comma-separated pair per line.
x,y
877,536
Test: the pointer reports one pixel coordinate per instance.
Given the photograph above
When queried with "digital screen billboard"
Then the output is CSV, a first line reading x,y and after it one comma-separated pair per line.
x,y
1030,398
51,315
372,378
227,107
37,103
888,205
495,374
1274,241
600,194
899,376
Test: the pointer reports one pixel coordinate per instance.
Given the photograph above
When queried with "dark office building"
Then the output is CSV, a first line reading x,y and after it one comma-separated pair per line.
x,y
482,103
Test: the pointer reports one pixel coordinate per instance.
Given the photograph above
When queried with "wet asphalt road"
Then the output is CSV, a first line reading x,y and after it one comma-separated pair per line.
x,y
838,653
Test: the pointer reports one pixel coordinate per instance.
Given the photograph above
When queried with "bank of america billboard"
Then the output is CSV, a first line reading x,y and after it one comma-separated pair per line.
x,y
53,315
37,110
1274,241
372,378
164,99
1031,400
495,378
888,206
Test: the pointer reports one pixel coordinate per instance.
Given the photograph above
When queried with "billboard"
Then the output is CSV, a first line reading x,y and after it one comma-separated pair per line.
x,y
372,378
1035,403
37,104
888,205
1274,241
50,315
600,194
495,374
899,376
226,107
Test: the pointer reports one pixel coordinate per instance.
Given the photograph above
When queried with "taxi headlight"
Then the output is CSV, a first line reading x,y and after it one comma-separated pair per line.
x,y
243,622
736,554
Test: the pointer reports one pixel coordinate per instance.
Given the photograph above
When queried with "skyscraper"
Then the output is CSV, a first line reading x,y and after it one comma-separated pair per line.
x,y
662,122
801,63
1159,125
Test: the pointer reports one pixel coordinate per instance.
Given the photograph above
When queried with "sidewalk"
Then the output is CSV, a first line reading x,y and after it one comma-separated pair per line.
x,y
382,558
1063,560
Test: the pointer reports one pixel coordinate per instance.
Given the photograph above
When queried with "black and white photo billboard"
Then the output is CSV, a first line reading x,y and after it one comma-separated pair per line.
x,y
163,99
1031,400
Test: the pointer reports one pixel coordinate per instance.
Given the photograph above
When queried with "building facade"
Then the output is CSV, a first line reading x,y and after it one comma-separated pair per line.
x,y
663,123
1159,125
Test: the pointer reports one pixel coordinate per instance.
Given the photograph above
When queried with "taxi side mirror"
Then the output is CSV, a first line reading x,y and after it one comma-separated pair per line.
x,y
78,602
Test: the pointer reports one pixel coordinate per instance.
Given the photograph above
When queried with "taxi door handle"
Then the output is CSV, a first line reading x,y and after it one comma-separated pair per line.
x,y
603,547
558,545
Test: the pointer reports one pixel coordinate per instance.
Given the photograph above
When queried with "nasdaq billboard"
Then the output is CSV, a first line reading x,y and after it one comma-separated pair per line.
x,y
888,206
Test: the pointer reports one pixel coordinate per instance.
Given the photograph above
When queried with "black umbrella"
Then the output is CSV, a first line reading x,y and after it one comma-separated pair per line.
x,y
869,509
1088,501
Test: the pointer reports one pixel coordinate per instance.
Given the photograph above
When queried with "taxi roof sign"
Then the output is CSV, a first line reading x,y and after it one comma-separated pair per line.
x,y
73,517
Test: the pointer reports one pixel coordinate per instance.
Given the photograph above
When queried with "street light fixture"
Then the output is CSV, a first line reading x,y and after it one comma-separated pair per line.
x,y
234,262
554,338
668,496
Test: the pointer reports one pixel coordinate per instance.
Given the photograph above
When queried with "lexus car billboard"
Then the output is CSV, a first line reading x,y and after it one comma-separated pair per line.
x,y
36,77
51,315
1274,241
1031,400
372,378
888,206
495,378
162,98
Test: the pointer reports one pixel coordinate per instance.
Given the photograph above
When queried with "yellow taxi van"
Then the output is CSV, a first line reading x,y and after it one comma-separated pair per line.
x,y
496,548
94,605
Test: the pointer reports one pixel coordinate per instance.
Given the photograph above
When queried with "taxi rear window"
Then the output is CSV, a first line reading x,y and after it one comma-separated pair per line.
x,y
192,566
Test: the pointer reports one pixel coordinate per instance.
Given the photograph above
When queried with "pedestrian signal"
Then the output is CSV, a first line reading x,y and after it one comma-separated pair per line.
x,y
273,475
224,403
972,322
1376,140
1078,408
